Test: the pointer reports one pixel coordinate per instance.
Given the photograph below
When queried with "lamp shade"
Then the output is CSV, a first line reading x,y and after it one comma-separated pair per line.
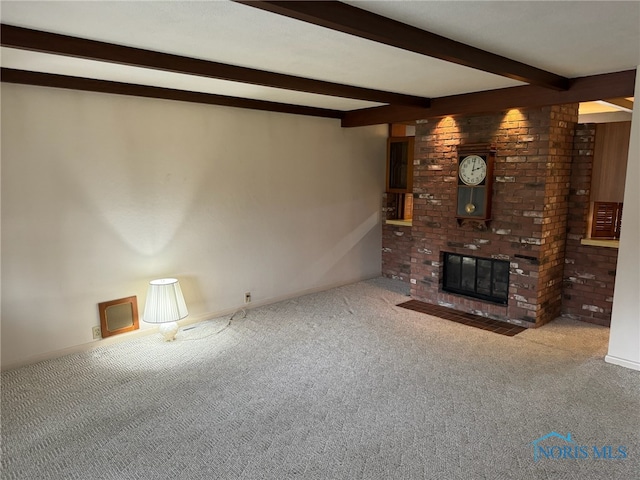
x,y
165,302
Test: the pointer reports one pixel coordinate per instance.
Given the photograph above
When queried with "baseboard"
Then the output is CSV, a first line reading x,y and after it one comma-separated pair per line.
x,y
622,362
309,291
85,347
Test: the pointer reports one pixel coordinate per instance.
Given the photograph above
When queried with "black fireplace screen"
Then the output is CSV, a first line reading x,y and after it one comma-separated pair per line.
x,y
483,278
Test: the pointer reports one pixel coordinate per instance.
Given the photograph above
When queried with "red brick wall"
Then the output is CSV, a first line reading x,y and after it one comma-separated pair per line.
x,y
589,272
529,208
396,245
556,207
540,163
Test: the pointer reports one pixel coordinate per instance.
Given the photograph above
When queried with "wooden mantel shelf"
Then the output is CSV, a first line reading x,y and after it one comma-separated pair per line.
x,y
401,223
594,242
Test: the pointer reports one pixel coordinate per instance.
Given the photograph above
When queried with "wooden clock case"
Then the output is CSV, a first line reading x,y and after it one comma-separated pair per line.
x,y
473,202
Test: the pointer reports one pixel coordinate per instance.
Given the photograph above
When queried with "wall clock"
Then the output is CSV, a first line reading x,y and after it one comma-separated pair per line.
x,y
475,182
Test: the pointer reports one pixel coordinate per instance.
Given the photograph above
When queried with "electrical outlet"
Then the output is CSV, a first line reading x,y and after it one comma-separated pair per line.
x,y
97,333
247,297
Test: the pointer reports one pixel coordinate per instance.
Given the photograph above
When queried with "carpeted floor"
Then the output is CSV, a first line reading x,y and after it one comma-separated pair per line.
x,y
342,384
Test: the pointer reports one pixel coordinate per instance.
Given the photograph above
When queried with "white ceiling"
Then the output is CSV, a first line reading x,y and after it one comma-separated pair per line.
x,y
570,38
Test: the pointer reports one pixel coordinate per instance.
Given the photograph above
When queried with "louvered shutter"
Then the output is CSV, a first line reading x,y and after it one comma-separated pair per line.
x,y
606,220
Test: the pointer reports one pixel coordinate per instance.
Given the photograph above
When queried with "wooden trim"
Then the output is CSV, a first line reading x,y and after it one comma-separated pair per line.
x,y
106,328
399,223
35,40
583,89
9,75
610,157
600,243
397,130
410,141
620,102
361,23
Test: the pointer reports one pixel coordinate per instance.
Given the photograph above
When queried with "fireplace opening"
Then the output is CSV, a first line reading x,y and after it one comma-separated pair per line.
x,y
483,278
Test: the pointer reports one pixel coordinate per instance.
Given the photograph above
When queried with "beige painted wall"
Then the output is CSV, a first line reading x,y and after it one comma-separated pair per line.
x,y
102,193
624,337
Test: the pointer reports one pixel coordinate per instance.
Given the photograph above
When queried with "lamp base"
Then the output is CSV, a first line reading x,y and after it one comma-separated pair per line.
x,y
169,330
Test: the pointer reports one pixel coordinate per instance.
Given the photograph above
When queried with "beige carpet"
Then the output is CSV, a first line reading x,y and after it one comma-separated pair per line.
x,y
337,385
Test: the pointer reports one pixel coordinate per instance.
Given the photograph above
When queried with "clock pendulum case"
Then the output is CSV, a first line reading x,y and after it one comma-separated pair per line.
x,y
475,182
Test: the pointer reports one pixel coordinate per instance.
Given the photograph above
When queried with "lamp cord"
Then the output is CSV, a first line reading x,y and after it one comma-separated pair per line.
x,y
244,315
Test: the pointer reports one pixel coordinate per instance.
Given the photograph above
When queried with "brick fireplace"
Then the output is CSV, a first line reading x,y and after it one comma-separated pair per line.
x,y
529,221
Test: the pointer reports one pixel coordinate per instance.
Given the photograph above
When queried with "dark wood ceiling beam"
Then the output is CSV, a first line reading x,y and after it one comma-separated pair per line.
x,y
355,21
583,89
23,77
35,40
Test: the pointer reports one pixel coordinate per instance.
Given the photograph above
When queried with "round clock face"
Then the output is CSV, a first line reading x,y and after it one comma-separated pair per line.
x,y
472,170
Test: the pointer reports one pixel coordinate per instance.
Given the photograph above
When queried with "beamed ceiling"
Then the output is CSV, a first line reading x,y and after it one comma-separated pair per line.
x,y
363,62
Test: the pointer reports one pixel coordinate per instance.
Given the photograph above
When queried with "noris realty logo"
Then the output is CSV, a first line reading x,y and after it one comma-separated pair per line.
x,y
554,446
